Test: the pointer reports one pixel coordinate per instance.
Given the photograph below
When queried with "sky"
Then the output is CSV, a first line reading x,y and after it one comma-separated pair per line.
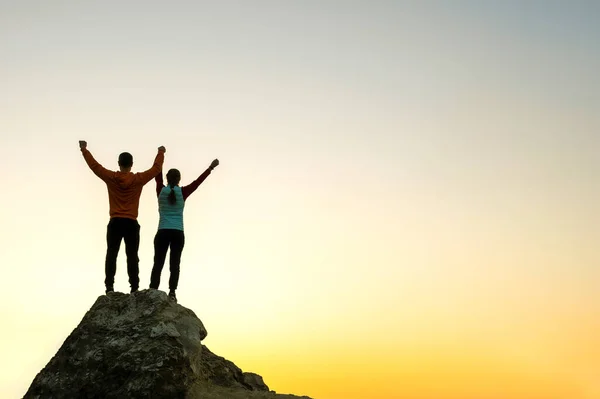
x,y
406,204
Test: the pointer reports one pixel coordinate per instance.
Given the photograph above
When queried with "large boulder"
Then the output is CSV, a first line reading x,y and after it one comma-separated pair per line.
x,y
142,345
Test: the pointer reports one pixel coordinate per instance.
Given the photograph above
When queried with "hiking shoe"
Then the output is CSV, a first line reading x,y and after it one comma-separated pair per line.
x,y
172,295
133,290
109,289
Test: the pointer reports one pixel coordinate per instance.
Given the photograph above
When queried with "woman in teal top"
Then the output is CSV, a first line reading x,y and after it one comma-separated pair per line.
x,y
171,201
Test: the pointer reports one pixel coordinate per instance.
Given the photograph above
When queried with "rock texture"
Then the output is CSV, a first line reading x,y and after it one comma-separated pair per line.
x,y
142,346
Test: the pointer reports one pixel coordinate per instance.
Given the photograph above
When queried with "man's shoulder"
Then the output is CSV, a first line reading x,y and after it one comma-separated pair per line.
x,y
138,175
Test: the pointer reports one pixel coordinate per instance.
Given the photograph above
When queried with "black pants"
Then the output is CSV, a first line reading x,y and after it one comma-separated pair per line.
x,y
117,230
164,239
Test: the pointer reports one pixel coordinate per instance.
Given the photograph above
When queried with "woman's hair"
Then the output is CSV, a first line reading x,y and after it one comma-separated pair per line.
x,y
173,177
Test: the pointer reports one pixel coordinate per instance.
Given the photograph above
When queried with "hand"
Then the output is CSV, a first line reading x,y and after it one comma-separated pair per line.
x,y
82,145
162,149
214,164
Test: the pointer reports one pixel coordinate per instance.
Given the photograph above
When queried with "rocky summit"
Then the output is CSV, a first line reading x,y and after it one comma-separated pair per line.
x,y
142,345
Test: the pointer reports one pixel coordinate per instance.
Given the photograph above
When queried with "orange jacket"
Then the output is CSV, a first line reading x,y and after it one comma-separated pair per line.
x,y
124,188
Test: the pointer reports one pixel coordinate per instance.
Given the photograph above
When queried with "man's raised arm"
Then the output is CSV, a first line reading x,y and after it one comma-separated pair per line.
x,y
98,169
156,168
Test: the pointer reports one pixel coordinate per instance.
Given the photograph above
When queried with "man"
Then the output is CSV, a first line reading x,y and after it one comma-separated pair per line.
x,y
124,190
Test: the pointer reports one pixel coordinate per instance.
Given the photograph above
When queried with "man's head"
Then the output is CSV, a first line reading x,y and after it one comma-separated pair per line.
x,y
125,160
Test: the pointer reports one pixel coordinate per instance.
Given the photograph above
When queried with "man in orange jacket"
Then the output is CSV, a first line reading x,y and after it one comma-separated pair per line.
x,y
124,190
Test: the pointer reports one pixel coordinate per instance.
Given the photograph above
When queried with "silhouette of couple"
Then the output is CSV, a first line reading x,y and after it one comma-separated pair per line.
x,y
124,190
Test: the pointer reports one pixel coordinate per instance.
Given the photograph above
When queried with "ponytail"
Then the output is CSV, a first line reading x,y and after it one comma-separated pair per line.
x,y
172,198
173,177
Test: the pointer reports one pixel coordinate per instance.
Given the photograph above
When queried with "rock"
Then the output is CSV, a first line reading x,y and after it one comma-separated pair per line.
x,y
142,345
224,373
255,382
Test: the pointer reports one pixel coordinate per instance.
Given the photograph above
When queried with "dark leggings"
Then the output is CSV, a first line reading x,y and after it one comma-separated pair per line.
x,y
120,229
164,239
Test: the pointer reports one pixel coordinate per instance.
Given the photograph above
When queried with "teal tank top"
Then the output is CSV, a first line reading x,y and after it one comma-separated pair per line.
x,y
171,215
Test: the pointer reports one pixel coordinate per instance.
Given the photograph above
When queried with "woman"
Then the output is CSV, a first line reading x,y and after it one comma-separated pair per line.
x,y
171,201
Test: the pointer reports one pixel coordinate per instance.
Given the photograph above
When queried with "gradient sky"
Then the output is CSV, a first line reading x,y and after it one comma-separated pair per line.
x,y
406,206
